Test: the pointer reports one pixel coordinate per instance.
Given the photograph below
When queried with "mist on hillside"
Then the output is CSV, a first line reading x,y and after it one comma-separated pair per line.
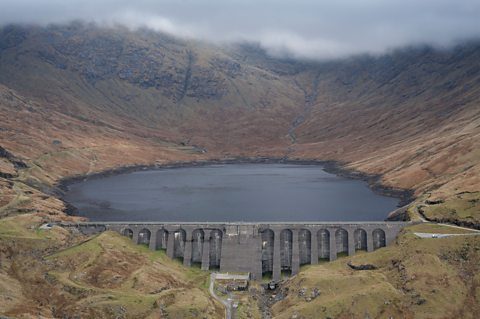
x,y
300,29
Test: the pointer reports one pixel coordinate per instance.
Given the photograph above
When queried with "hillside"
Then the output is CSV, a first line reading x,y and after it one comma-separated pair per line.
x,y
79,99
413,278
57,274
410,116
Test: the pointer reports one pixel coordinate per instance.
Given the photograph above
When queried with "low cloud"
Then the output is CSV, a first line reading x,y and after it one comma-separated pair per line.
x,y
304,29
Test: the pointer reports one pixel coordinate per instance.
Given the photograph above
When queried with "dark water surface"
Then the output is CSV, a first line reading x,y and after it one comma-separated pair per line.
x,y
230,192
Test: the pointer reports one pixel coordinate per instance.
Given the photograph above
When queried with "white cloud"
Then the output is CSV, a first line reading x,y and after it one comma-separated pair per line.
x,y
280,43
136,20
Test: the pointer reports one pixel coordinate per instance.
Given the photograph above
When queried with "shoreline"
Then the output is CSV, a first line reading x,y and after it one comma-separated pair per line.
x,y
405,196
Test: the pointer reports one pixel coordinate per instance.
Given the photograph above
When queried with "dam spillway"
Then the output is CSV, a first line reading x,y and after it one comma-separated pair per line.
x,y
257,248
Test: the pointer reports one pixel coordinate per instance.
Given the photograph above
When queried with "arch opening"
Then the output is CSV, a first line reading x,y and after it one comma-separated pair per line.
x,y
341,239
286,237
179,237
161,239
215,248
323,238
305,246
379,239
198,236
127,232
360,239
268,237
144,237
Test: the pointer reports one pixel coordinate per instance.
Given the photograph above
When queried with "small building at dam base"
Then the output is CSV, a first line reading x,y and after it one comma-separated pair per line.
x,y
257,248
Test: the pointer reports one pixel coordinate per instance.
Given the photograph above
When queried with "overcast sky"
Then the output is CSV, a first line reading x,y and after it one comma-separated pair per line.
x,y
312,29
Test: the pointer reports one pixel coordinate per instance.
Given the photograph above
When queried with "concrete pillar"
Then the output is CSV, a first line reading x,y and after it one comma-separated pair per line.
x,y
391,232
153,239
295,252
388,237
257,266
187,254
351,242
314,247
135,235
171,244
206,251
369,240
333,244
277,267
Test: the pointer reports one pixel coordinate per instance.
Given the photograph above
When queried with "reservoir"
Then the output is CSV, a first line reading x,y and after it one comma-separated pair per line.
x,y
229,193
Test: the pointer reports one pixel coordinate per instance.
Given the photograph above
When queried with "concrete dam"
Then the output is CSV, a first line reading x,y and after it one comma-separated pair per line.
x,y
257,248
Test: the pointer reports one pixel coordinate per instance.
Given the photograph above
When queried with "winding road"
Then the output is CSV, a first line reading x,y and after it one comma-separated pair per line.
x,y
227,303
473,232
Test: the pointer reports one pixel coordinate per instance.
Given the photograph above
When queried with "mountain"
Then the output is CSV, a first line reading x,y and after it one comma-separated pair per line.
x,y
87,93
80,99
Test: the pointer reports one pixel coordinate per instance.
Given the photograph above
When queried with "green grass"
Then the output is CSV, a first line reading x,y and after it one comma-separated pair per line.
x,y
24,226
464,206
92,247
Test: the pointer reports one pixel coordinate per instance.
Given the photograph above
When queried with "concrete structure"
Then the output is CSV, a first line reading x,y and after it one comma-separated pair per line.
x,y
257,248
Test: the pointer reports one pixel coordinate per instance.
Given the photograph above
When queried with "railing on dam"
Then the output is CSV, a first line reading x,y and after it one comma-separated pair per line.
x,y
258,248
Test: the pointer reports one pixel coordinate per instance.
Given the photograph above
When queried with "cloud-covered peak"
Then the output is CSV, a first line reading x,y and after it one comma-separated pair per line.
x,y
307,29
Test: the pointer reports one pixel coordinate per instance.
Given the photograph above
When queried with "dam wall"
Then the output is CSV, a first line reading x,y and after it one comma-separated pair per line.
x,y
257,248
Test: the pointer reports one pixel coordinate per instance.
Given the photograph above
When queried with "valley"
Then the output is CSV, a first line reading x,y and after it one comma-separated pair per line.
x,y
81,99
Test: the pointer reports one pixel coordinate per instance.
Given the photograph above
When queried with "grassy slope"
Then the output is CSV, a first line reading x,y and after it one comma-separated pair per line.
x,y
461,207
416,278
106,276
